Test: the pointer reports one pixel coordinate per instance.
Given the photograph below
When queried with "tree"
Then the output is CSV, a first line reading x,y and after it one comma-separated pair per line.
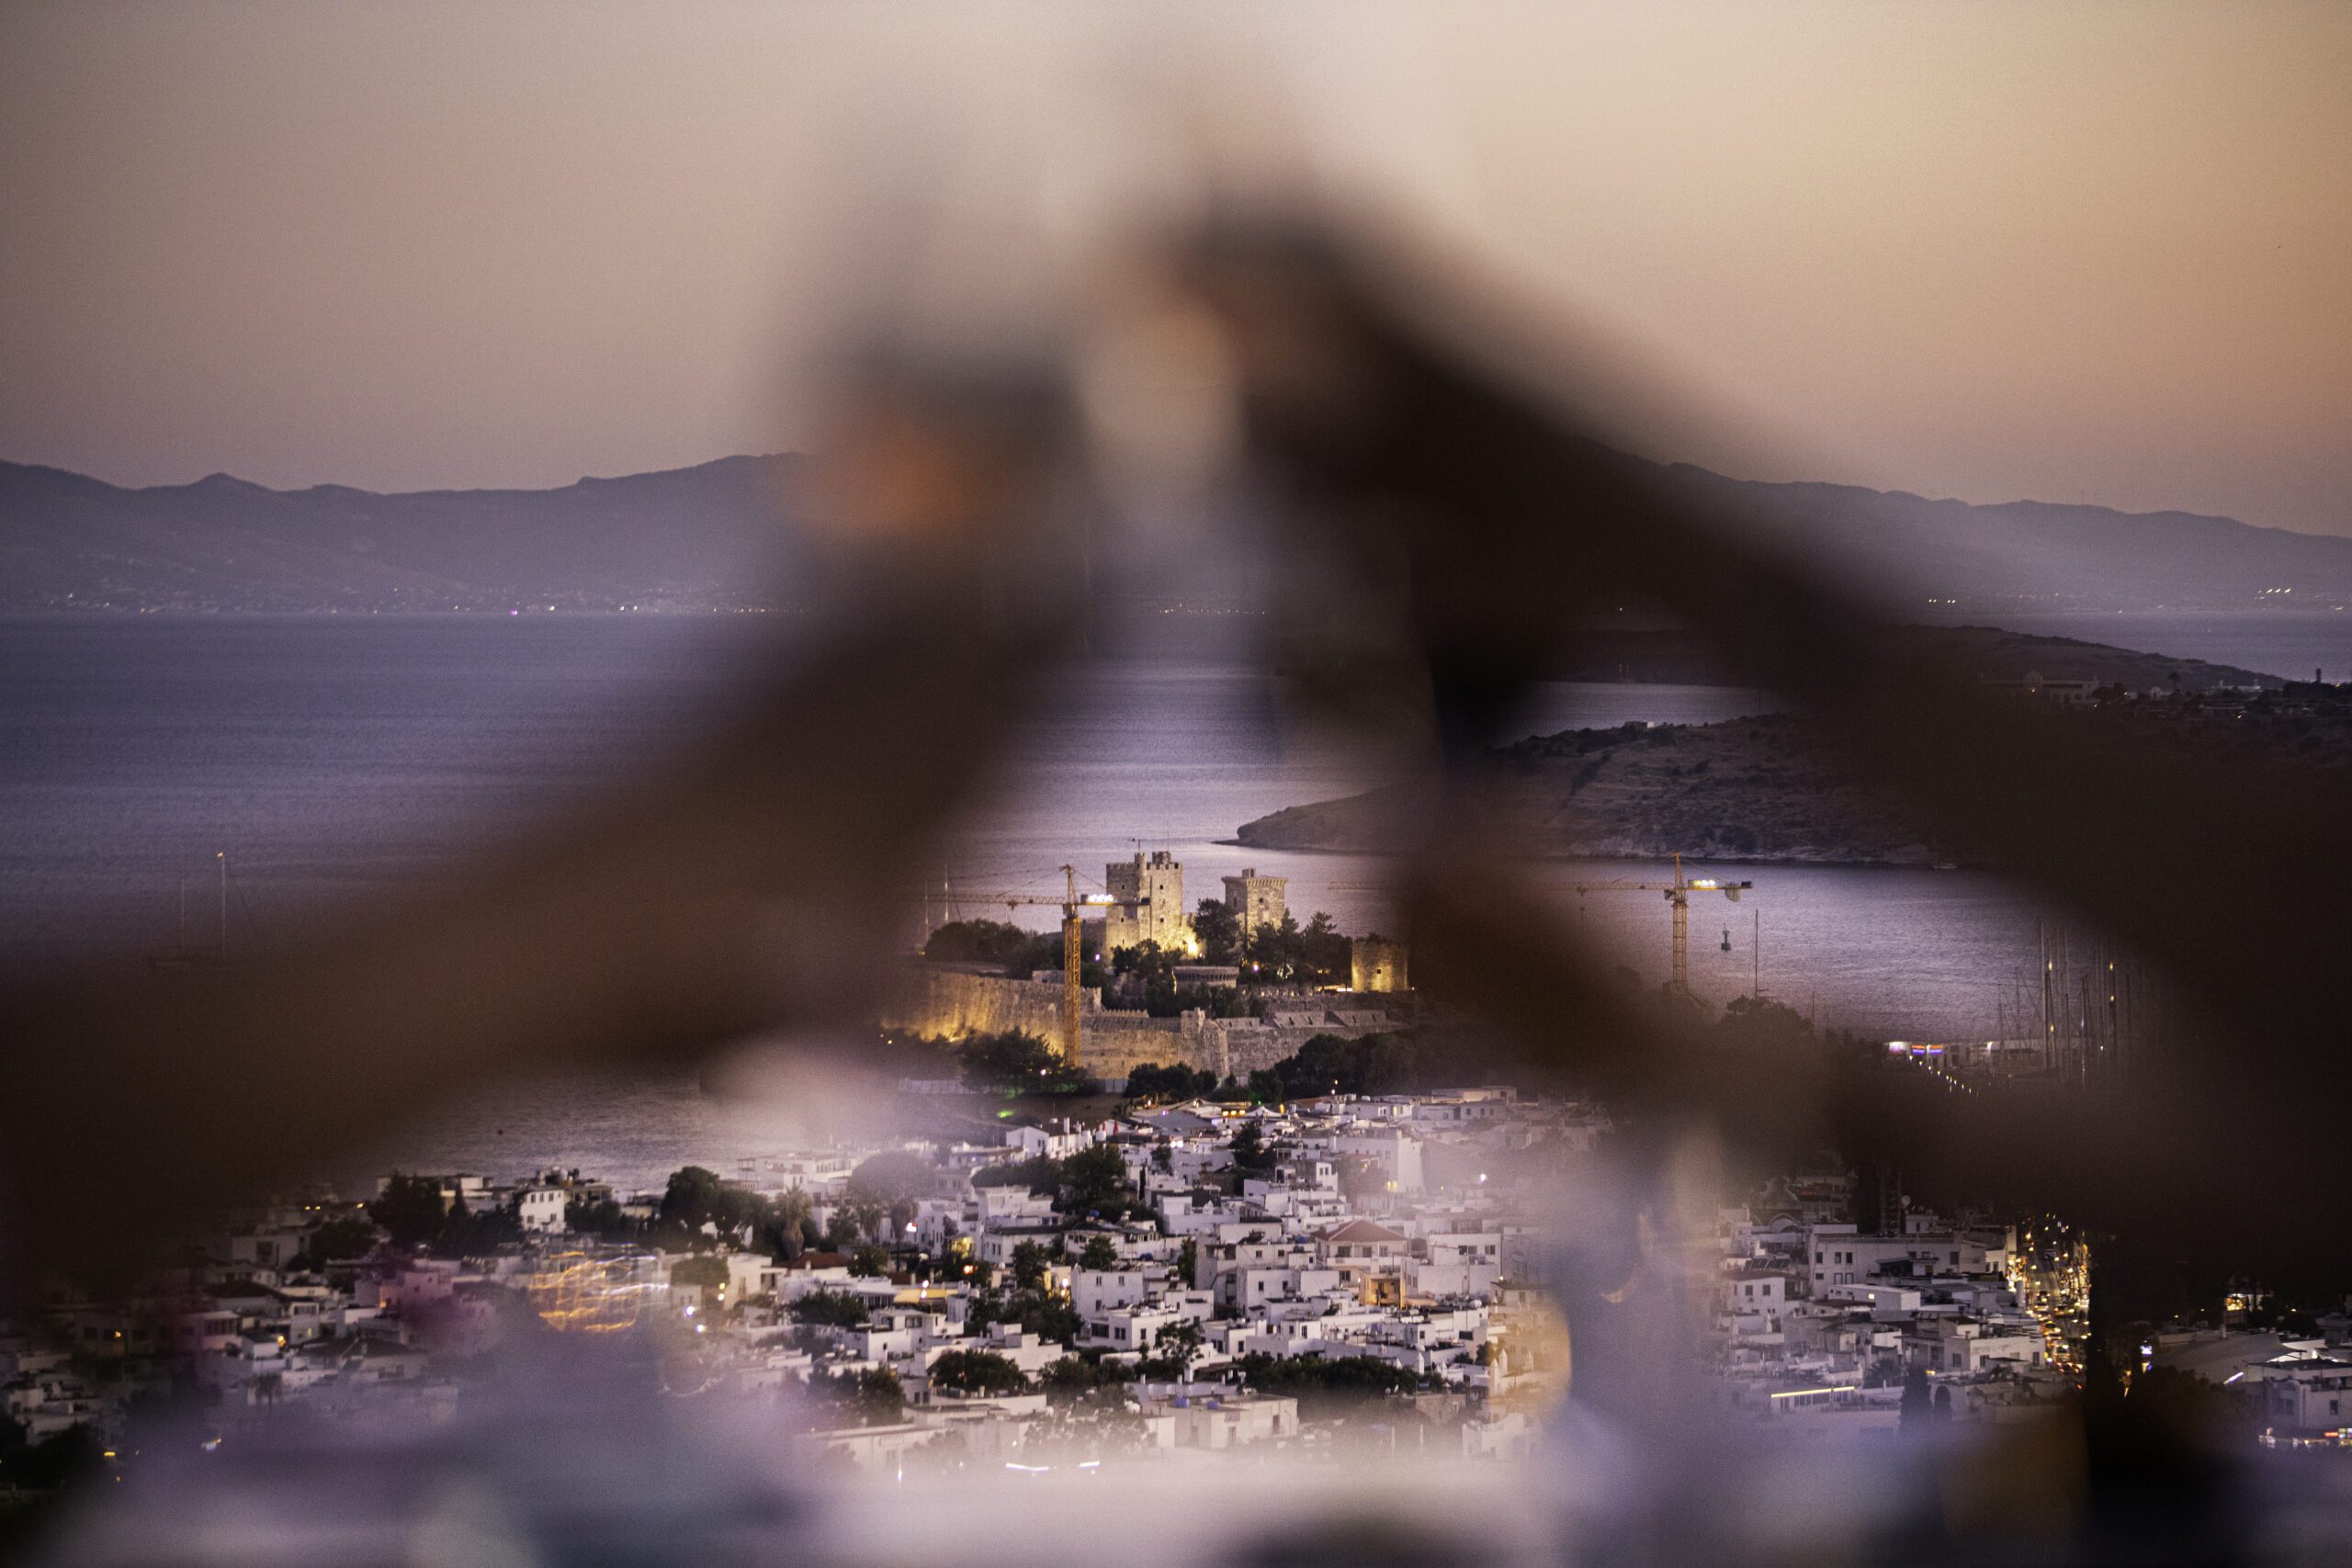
x,y
1040,1173
1218,928
976,1371
694,1198
1324,1065
1098,1254
1097,1182
830,1309
1151,1081
465,1233
1188,1257
1326,1383
841,1230
336,1240
872,1398
785,1223
704,1269
1179,1347
1275,952
1050,1318
892,1177
1162,1159
1266,1087
1327,955
1014,1062
1029,1264
597,1217
1081,1381
1250,1154
409,1209
976,942
869,1261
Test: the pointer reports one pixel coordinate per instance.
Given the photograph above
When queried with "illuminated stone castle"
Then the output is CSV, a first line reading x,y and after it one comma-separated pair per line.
x,y
1258,902
1377,964
1148,904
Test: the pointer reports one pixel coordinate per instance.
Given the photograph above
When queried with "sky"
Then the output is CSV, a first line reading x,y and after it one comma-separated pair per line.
x,y
2067,252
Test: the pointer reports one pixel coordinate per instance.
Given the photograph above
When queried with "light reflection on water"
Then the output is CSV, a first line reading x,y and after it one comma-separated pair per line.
x,y
336,757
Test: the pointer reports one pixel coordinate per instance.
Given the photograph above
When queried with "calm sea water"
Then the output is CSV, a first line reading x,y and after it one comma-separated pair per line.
x,y
334,758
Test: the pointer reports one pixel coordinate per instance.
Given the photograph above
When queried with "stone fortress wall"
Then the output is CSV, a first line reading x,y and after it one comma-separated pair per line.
x,y
947,1002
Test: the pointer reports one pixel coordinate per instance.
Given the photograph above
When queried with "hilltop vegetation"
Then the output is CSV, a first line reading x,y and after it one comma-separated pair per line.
x,y
1770,789
1751,789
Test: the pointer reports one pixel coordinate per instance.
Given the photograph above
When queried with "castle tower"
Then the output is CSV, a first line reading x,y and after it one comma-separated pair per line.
x,y
1147,896
1375,964
1258,902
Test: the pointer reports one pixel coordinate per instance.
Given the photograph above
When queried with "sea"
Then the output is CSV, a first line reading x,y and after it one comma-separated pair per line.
x,y
334,758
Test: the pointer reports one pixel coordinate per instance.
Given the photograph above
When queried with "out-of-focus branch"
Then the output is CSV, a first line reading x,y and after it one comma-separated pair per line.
x,y
1510,519
756,884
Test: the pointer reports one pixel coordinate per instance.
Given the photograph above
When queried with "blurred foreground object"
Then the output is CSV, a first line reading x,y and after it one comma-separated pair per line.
x,y
1408,455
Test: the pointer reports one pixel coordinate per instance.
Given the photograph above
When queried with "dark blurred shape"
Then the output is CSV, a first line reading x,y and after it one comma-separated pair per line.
x,y
1471,524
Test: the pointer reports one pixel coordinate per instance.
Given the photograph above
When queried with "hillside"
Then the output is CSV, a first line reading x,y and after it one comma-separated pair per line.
x,y
719,534
1749,789
1752,789
712,536
1907,549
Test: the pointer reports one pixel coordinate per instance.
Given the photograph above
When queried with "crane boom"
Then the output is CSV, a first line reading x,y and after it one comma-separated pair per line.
x,y
1073,993
1678,896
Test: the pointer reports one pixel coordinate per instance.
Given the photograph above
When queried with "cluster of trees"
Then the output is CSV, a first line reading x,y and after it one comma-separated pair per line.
x,y
1405,1062
780,1224
870,1398
830,1309
411,1213
1316,953
1147,975
981,1372
1027,1302
1152,1082
1092,1181
1084,1381
1251,1155
1018,953
1015,1063
699,1208
1321,1383
339,1241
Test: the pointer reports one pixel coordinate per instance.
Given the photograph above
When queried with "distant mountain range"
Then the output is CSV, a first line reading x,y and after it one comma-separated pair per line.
x,y
1908,549
712,536
720,534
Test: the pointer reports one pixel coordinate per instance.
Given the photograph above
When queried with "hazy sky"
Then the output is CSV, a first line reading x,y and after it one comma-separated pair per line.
x,y
2090,252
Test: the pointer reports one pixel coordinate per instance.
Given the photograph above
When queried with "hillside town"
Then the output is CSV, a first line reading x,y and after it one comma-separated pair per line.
x,y
1285,1235
1186,1279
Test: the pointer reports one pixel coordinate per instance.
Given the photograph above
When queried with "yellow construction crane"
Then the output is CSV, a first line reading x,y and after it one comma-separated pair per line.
x,y
1072,959
1678,894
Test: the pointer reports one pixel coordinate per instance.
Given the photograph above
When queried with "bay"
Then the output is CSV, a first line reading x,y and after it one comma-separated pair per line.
x,y
336,758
